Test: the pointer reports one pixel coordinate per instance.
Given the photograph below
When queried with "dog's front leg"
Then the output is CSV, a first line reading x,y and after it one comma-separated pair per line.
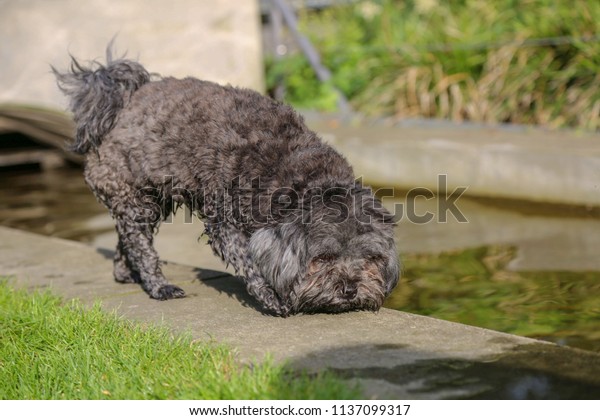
x,y
264,293
231,245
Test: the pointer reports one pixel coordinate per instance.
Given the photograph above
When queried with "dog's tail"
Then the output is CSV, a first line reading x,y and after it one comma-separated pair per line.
x,y
97,93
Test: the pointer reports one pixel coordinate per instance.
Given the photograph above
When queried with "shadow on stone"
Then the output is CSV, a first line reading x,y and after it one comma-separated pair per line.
x,y
537,371
219,280
230,285
106,253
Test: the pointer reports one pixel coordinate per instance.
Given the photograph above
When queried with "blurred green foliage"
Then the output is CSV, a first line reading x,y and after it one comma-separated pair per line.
x,y
475,60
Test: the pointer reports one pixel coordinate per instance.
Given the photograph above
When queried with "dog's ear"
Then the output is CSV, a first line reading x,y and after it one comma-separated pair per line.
x,y
391,270
370,210
279,255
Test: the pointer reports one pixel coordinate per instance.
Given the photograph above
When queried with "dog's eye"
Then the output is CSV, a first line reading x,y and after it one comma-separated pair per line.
x,y
376,259
324,258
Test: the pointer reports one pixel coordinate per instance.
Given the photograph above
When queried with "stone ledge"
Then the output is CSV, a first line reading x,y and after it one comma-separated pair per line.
x,y
391,353
519,163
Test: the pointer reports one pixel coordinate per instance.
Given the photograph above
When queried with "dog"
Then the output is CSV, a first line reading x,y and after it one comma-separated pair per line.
x,y
279,205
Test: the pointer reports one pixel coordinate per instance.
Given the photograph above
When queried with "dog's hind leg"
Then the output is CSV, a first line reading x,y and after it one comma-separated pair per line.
x,y
122,269
136,254
137,213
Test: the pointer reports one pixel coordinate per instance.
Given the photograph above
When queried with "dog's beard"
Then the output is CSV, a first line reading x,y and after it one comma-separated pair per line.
x,y
339,286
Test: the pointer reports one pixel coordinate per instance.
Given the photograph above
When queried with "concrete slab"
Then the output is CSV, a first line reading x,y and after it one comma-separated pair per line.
x,y
521,163
392,354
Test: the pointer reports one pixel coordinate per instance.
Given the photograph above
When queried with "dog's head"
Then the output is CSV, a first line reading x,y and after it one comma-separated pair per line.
x,y
337,255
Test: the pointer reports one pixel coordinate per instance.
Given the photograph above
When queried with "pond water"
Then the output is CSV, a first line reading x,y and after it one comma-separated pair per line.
x,y
516,268
519,269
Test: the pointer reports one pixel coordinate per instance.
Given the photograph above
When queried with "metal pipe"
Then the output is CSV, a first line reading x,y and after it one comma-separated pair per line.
x,y
322,72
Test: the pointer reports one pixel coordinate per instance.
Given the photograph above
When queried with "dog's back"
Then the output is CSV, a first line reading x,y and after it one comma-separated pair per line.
x,y
199,132
218,133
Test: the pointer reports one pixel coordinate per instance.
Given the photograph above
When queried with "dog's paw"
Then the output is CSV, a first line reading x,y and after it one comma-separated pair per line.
x,y
124,274
126,277
167,291
282,311
277,308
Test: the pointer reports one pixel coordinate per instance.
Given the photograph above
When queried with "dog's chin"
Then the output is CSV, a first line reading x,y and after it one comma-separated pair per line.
x,y
340,306
370,297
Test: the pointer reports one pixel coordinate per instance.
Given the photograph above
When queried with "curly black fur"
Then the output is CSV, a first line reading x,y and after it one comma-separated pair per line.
x,y
279,205
97,95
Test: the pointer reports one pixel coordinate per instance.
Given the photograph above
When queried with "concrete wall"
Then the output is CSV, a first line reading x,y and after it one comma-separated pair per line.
x,y
214,40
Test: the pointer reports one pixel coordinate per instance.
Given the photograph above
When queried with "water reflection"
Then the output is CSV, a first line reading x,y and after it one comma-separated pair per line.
x,y
541,241
508,269
478,287
54,203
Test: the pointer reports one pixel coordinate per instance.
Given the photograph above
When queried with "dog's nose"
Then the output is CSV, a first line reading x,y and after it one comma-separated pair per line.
x,y
349,291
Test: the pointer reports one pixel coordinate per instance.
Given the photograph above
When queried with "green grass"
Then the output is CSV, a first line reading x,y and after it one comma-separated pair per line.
x,y
50,349
475,60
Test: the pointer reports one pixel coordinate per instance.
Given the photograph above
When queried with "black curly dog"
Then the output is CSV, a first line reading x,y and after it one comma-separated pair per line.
x,y
279,205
